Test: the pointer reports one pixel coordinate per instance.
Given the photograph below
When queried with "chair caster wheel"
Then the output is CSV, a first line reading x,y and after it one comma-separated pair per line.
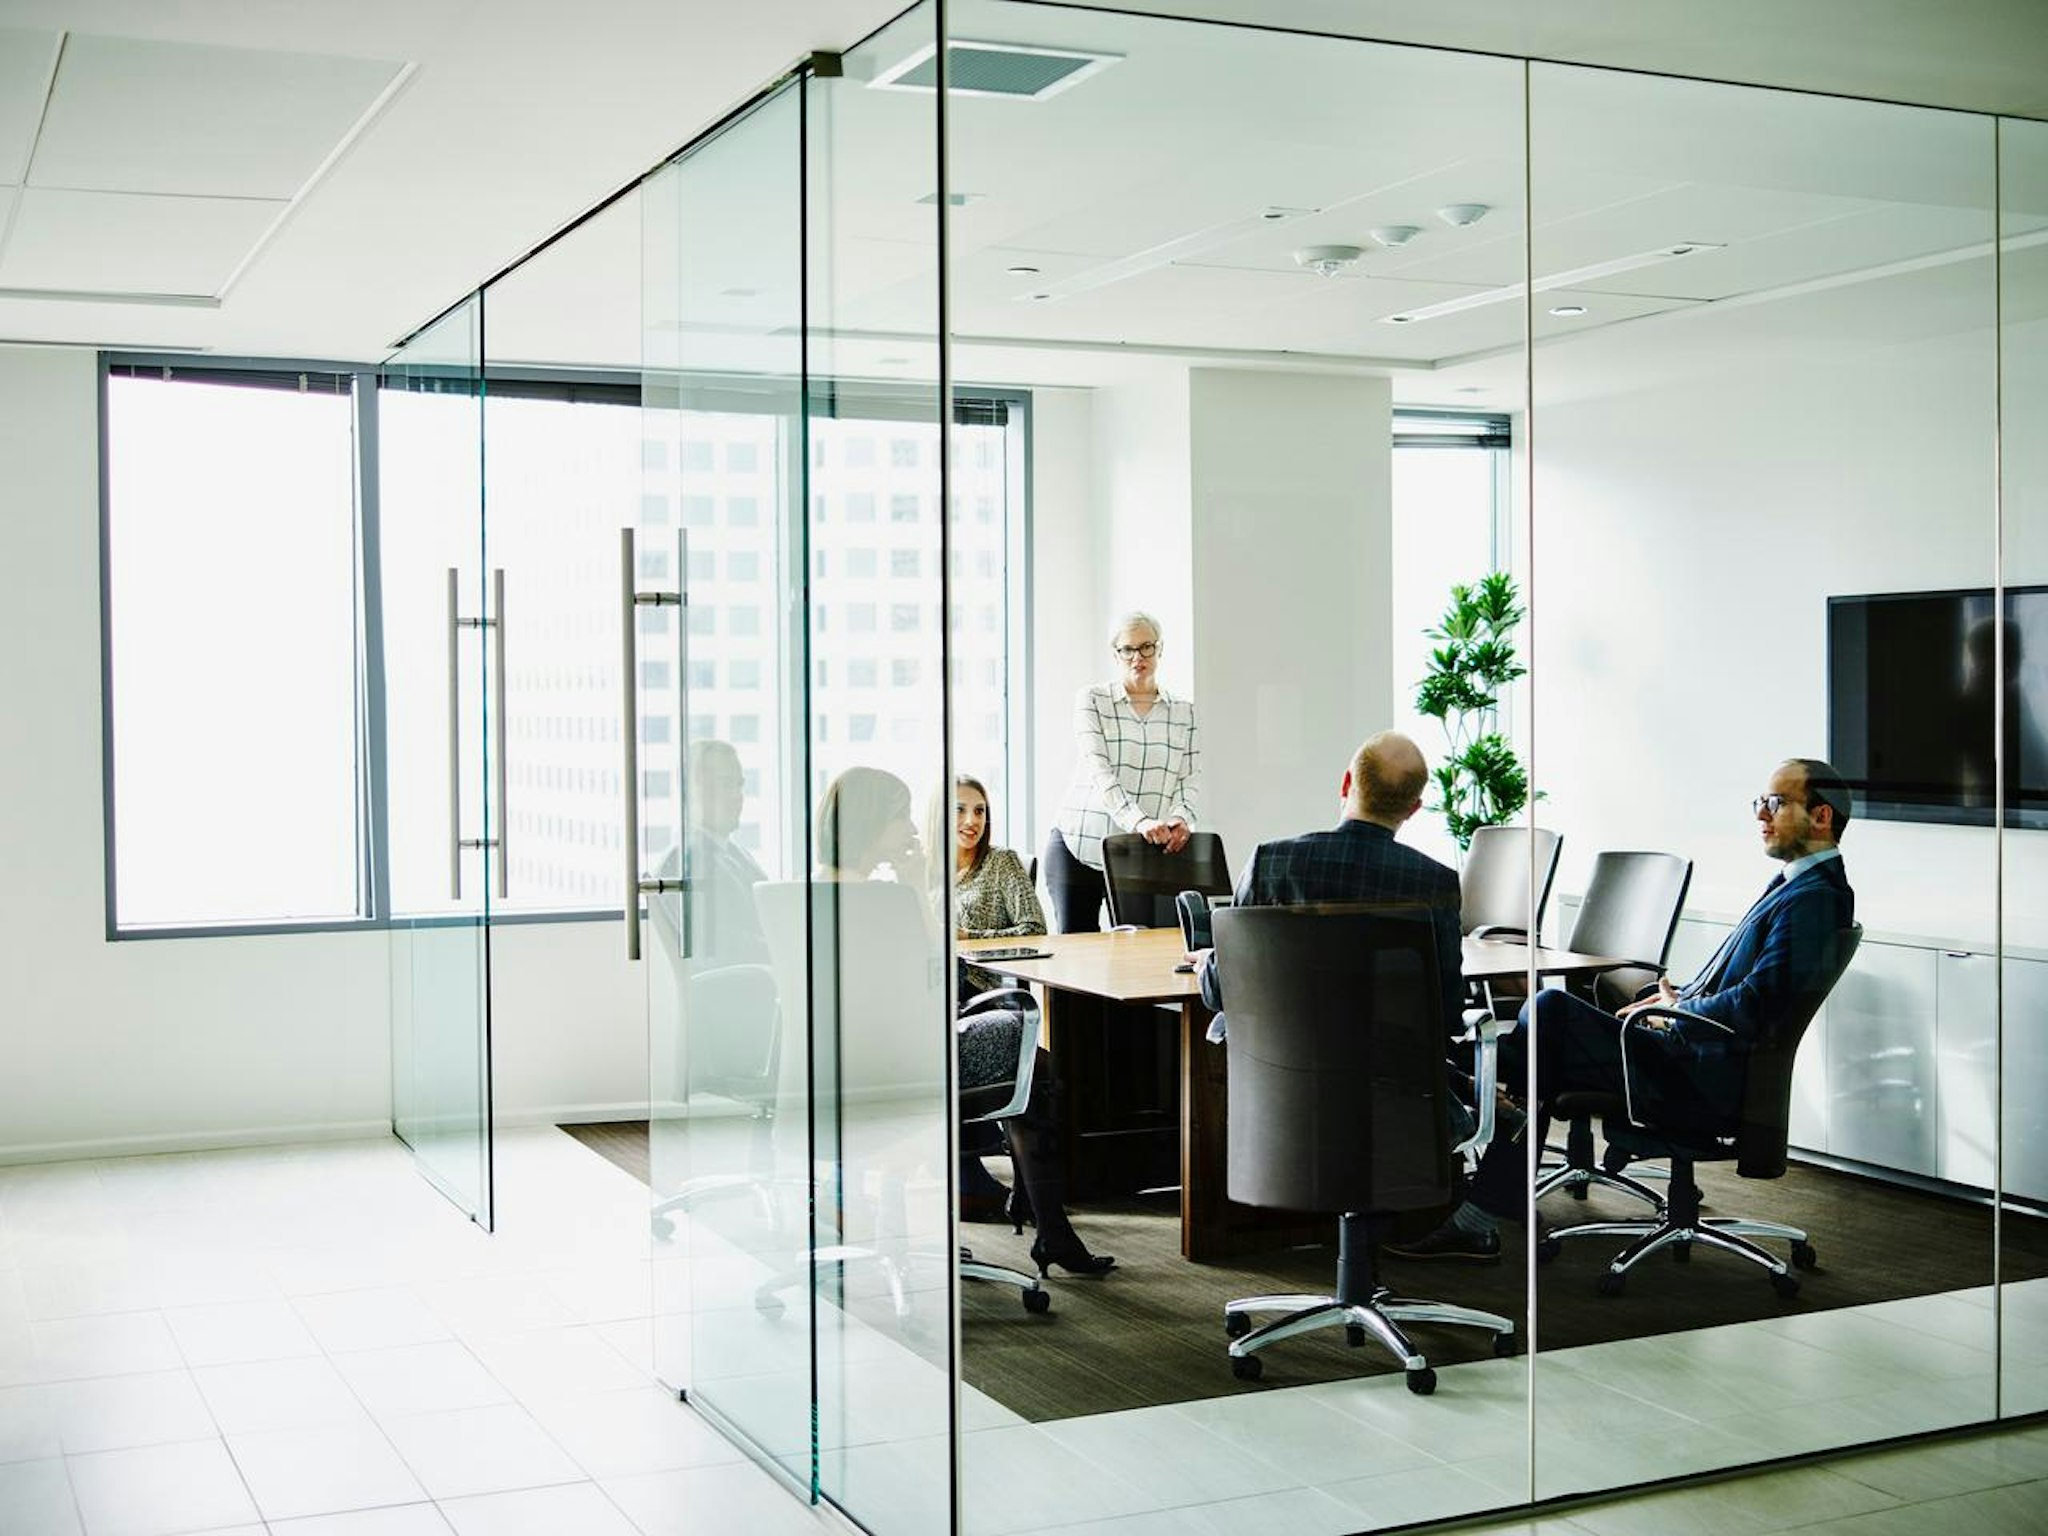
x,y
768,1304
1422,1382
1038,1302
1578,1191
1506,1346
1236,1325
1354,1335
1548,1248
1786,1286
1803,1256
1610,1284
1681,1253
1247,1367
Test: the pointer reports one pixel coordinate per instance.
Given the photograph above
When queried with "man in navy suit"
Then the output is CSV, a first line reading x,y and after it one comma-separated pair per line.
x,y
1777,956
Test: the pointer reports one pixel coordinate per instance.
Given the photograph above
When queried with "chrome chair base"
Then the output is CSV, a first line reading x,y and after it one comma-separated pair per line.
x,y
1551,1177
1728,1234
1381,1317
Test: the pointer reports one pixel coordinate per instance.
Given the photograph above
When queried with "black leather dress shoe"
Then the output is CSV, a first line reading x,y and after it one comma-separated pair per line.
x,y
1449,1242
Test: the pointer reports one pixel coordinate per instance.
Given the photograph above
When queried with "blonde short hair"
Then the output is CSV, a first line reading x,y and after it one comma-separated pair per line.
x,y
1137,618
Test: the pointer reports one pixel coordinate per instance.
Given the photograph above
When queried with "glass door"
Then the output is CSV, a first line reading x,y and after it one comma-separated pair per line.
x,y
444,669
712,582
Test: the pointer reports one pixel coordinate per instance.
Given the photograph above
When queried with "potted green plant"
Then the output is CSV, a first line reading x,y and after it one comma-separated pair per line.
x,y
1480,782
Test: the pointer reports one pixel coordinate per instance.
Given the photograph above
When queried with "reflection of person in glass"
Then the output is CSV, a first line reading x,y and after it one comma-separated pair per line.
x,y
865,826
2026,747
722,874
1138,771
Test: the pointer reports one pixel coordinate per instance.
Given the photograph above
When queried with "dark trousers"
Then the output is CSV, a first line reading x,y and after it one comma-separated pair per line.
x,y
1577,1049
1077,891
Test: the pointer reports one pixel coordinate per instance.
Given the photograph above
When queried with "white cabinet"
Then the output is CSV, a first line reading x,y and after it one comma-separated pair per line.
x,y
1968,1074
2025,1069
1882,1093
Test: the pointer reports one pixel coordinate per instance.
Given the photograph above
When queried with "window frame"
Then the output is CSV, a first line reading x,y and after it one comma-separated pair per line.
x,y
851,399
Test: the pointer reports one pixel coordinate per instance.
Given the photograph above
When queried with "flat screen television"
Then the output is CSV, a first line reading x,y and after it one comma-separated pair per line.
x,y
1911,692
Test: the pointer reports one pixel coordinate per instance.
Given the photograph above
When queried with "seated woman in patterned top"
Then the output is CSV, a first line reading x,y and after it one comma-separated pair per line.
x,y
992,895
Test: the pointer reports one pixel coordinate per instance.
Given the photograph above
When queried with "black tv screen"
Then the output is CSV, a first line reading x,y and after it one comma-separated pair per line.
x,y
1911,696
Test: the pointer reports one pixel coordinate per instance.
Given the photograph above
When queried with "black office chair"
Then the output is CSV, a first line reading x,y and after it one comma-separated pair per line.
x,y
1338,1102
1754,1139
1143,878
1494,884
1630,911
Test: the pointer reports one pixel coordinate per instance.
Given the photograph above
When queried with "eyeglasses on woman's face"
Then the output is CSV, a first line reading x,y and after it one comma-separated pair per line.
x,y
1132,652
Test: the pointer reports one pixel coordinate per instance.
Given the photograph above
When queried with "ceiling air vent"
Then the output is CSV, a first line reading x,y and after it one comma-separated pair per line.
x,y
995,69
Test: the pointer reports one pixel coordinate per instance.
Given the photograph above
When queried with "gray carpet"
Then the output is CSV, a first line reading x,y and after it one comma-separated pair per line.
x,y
1151,1331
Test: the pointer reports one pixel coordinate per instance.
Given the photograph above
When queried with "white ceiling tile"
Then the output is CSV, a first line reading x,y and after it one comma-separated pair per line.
x,y
112,242
24,73
129,115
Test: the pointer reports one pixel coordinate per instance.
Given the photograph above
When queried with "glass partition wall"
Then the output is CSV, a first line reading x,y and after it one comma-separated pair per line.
x,y
1739,360
2018,1133
1764,460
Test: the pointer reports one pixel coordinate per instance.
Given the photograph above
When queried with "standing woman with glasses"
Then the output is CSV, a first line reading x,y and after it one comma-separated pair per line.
x,y
1139,770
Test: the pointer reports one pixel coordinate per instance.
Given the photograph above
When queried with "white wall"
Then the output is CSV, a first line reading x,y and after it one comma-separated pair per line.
x,y
1686,537
152,1044
1291,519
1069,605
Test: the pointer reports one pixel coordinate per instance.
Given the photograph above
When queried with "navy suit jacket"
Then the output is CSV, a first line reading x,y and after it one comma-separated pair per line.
x,y
1780,952
1355,861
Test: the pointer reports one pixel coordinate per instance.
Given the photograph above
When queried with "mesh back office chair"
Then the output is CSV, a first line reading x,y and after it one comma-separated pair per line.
x,y
1338,1102
1143,879
1494,884
1754,1138
1630,911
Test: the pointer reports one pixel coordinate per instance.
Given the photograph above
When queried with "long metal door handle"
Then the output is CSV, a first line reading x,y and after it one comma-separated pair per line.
x,y
454,738
500,775
682,600
629,738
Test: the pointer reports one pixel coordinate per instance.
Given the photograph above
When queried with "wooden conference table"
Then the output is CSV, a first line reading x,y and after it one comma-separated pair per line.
x,y
1138,967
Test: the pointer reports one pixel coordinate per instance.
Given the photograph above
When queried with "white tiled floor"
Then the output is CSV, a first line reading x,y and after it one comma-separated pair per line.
x,y
307,1340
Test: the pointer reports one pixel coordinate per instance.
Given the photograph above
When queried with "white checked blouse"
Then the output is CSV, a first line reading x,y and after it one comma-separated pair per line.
x,y
1133,770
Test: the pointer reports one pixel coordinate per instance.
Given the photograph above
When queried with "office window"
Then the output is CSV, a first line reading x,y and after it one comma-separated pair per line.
x,y
231,665
860,506
905,563
903,508
742,511
1450,521
861,672
744,672
903,453
703,674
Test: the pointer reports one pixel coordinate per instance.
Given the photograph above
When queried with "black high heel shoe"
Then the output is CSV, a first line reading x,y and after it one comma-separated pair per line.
x,y
1017,1209
1075,1260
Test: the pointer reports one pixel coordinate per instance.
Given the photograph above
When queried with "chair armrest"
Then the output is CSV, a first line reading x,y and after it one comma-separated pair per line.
x,y
1678,1015
1482,1031
1000,997
1498,931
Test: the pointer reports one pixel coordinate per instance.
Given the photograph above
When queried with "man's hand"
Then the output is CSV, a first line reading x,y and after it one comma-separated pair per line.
x,y
1665,996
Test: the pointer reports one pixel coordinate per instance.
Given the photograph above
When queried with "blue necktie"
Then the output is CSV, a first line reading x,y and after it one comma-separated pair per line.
x,y
1710,973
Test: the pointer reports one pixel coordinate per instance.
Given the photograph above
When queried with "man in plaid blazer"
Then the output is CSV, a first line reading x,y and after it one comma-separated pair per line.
x,y
1359,860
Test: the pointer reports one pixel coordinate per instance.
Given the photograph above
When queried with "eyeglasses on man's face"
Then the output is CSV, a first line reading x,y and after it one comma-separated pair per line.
x,y
1131,652
1770,805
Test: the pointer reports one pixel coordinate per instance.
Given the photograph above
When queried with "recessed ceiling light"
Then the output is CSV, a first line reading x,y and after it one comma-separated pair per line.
x,y
1569,311
1458,215
892,362
953,199
739,293
1471,389
1394,236
1022,271
1041,295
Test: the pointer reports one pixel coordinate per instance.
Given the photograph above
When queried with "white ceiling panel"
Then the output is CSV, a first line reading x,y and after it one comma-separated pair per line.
x,y
7,197
24,75
132,115
111,242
